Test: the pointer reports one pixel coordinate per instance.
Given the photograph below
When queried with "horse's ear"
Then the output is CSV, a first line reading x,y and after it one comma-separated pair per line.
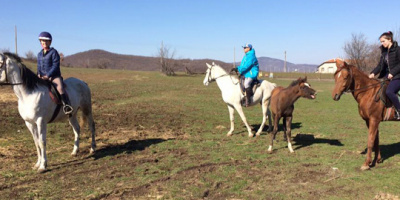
x,y
340,63
208,65
305,79
300,80
213,63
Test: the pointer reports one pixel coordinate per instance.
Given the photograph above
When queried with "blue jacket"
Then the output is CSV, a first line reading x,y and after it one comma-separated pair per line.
x,y
49,64
249,65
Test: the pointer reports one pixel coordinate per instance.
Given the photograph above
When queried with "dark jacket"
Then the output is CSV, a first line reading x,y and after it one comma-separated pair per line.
x,y
394,62
49,64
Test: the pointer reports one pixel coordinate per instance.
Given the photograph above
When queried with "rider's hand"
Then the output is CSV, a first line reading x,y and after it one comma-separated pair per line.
x,y
372,75
45,78
390,76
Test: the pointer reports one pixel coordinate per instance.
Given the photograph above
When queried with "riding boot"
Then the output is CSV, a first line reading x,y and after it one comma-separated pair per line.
x,y
67,105
249,94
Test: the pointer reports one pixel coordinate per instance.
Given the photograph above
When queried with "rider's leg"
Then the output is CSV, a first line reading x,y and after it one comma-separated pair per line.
x,y
391,93
249,90
64,98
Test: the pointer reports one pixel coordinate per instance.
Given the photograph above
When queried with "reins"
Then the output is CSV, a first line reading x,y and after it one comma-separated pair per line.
x,y
380,82
223,75
377,95
365,87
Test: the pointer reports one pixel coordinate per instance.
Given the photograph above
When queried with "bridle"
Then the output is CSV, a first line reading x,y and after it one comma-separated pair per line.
x,y
3,64
214,79
351,81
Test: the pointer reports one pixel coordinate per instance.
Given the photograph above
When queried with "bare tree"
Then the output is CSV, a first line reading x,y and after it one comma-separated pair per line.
x,y
373,57
61,57
167,60
30,55
357,50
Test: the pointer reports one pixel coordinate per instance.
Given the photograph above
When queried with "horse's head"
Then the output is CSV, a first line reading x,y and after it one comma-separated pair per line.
x,y
213,72
305,88
3,63
343,79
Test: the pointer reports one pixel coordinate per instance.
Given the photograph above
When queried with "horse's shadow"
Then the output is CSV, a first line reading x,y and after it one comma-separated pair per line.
x,y
304,140
128,147
388,150
296,125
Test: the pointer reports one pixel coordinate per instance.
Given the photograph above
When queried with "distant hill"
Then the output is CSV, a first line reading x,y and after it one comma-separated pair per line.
x,y
106,60
271,64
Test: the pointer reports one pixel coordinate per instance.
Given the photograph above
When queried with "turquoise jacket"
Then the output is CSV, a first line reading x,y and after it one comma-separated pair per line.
x,y
249,65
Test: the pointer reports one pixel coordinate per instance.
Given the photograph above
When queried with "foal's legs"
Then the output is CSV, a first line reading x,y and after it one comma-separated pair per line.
x,y
284,128
33,129
232,119
276,123
289,133
238,108
75,126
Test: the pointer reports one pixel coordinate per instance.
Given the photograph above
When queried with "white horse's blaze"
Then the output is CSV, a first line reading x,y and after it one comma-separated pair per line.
x,y
340,73
232,96
36,107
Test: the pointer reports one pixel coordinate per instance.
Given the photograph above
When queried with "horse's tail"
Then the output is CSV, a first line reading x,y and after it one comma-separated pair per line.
x,y
87,114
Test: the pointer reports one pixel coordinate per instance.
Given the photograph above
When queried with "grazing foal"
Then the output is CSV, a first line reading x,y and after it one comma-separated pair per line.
x,y
281,105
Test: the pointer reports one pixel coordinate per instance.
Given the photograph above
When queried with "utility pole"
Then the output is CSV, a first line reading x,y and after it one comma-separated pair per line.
x,y
284,65
16,49
234,60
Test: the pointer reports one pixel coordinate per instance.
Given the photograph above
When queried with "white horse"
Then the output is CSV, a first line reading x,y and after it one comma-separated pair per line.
x,y
37,109
232,96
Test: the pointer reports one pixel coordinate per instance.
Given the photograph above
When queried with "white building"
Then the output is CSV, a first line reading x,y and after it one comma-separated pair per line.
x,y
328,67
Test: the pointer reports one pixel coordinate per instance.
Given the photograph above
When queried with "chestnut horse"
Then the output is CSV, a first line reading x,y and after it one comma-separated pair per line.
x,y
349,78
282,105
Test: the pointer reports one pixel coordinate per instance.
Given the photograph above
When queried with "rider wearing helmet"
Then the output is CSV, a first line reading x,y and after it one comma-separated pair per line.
x,y
48,68
249,69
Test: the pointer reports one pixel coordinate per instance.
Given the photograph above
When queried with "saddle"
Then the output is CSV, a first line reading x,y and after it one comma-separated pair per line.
x,y
54,94
255,84
381,96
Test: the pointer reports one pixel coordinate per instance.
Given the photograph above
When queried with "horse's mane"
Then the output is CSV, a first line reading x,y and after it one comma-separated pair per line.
x,y
29,79
296,82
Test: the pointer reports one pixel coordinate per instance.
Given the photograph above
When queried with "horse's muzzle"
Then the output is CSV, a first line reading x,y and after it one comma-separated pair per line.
x,y
336,97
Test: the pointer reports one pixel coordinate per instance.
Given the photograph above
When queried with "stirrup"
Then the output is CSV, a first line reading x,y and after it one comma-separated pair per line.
x,y
67,109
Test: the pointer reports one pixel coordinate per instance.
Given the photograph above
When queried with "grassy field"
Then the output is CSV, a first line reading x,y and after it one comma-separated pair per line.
x,y
164,137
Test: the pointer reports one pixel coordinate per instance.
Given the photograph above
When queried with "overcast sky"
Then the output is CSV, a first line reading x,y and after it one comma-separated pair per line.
x,y
310,31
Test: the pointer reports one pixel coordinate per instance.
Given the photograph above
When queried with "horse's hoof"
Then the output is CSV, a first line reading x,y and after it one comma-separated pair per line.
x,y
251,135
258,134
35,167
42,170
74,154
229,134
364,168
92,151
269,151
